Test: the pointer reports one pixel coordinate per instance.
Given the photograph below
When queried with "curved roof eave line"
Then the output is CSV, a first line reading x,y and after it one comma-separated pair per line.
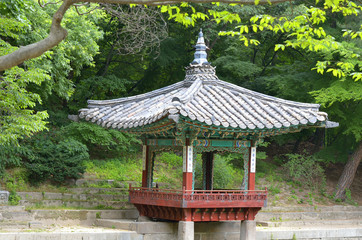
x,y
172,87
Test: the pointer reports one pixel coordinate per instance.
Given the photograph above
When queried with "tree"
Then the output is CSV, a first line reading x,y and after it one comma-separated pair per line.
x,y
58,33
24,87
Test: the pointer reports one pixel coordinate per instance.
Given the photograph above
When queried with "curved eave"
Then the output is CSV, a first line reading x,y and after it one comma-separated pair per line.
x,y
167,127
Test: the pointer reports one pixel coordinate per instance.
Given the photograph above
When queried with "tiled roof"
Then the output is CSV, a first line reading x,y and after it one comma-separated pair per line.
x,y
203,97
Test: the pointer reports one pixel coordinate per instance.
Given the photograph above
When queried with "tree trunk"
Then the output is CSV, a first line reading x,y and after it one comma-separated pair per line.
x,y
349,171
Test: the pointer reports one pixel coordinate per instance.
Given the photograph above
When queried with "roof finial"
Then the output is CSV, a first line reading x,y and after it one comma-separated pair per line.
x,y
200,54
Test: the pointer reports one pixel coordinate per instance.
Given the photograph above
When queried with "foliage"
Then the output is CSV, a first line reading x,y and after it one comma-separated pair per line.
x,y
14,198
16,117
10,156
98,88
224,173
14,180
306,170
171,159
115,169
224,176
274,190
67,59
55,159
101,142
168,169
25,86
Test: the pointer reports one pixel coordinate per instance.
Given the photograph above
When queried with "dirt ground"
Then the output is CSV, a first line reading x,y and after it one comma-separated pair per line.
x,y
333,173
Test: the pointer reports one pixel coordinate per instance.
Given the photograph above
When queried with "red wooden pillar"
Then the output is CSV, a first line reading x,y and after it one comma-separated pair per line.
x,y
145,165
187,166
252,168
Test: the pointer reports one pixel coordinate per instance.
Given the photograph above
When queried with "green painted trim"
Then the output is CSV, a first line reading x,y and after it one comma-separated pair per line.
x,y
222,143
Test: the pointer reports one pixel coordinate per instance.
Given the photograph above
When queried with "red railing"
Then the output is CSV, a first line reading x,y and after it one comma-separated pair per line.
x,y
197,198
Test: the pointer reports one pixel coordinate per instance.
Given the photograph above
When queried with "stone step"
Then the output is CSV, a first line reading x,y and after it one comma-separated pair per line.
x,y
32,196
18,225
86,182
312,233
12,208
97,190
139,227
325,215
79,204
73,235
231,230
83,215
23,216
334,208
311,223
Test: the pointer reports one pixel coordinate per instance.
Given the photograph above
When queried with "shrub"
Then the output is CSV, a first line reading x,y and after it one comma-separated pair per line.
x,y
306,170
55,160
225,176
101,142
10,156
168,170
171,159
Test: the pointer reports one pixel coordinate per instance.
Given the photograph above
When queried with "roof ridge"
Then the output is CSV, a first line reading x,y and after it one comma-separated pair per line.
x,y
193,89
169,88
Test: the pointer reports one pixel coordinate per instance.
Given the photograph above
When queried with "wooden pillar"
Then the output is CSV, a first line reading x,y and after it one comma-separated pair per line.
x,y
187,166
208,168
147,167
145,163
252,168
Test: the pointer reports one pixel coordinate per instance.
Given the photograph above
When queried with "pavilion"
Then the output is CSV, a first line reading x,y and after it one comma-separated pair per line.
x,y
202,115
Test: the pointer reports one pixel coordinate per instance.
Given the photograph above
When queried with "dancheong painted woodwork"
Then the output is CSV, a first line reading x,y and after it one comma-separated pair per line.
x,y
202,115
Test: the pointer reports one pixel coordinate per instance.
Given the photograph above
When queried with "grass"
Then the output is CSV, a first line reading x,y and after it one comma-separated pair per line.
x,y
115,169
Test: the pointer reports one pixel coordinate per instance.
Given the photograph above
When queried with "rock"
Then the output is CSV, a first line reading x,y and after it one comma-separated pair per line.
x,y
74,118
4,197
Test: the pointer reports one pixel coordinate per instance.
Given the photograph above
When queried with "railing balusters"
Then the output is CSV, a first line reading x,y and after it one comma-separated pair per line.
x,y
196,195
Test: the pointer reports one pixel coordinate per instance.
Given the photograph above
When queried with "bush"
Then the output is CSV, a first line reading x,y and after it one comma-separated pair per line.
x,y
55,160
14,198
102,143
10,156
306,170
225,175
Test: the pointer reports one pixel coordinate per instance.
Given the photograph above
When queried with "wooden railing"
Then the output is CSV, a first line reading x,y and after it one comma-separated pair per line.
x,y
197,198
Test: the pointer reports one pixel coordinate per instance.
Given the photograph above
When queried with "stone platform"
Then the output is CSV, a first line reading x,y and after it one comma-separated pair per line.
x,y
332,223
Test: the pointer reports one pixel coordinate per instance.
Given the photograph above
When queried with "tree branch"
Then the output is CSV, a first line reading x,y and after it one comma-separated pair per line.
x,y
56,35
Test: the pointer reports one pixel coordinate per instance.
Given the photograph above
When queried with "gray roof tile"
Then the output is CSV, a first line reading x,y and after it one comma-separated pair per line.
x,y
213,102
